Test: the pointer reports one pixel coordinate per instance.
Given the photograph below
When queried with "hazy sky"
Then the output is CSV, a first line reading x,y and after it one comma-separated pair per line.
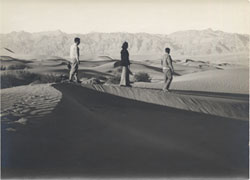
x,y
151,16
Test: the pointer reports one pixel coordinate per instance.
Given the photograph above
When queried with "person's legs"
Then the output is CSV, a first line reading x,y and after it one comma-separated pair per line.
x,y
123,77
169,79
165,80
127,77
76,73
72,71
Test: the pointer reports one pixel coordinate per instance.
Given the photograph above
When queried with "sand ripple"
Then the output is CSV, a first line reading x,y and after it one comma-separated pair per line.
x,y
20,105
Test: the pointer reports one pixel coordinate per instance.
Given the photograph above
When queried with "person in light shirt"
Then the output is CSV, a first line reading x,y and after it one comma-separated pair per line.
x,y
74,60
168,69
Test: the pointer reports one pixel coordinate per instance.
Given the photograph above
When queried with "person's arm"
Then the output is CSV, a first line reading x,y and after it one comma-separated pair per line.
x,y
122,58
171,64
163,60
128,60
77,55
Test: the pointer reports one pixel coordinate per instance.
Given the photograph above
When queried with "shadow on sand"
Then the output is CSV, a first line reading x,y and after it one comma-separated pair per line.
x,y
94,134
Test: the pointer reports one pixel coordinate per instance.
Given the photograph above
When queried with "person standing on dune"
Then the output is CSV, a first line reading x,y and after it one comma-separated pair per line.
x,y
74,60
125,63
168,69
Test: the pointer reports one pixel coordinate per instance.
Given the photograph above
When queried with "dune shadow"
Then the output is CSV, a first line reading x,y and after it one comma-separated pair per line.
x,y
149,67
86,73
213,94
204,93
10,59
94,134
157,69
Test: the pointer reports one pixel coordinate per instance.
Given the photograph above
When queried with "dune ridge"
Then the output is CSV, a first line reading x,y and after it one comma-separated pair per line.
x,y
220,105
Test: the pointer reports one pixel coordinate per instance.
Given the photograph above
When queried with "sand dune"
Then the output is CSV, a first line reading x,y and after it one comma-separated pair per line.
x,y
200,129
105,67
93,134
21,105
101,58
154,71
232,80
8,60
225,105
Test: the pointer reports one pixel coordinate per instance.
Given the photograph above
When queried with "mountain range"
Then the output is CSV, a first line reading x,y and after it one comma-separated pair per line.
x,y
199,44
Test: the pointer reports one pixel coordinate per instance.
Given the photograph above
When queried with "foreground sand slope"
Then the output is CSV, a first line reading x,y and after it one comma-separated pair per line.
x,y
93,134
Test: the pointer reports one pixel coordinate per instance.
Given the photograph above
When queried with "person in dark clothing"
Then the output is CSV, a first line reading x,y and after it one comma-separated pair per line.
x,y
125,63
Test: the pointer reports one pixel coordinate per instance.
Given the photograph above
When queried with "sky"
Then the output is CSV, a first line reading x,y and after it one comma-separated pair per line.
x,y
150,16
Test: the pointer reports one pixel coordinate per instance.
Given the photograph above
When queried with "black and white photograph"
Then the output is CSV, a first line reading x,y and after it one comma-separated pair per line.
x,y
124,89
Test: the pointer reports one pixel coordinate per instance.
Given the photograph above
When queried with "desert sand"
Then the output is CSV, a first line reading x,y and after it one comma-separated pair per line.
x,y
56,130
92,133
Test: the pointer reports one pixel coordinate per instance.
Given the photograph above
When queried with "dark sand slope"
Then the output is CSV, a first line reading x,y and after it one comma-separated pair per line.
x,y
95,134
220,104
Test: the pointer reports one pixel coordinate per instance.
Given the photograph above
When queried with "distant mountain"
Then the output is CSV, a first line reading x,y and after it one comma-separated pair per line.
x,y
183,44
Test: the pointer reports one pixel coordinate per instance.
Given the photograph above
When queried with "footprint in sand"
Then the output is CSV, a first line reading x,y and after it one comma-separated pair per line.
x,y
21,105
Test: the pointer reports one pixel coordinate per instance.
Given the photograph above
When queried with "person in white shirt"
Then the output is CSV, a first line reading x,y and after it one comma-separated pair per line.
x,y
74,60
168,69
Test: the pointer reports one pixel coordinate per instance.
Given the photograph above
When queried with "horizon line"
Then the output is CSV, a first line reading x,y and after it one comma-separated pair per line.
x,y
59,30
